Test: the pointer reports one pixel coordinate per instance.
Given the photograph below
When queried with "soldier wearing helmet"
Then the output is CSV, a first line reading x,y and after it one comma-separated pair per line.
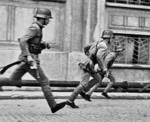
x,y
96,53
107,34
93,85
31,45
104,48
43,14
108,60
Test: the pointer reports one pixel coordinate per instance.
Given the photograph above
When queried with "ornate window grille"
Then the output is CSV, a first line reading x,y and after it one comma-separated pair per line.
x,y
136,49
133,2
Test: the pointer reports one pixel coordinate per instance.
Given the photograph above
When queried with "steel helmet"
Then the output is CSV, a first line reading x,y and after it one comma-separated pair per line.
x,y
43,13
107,34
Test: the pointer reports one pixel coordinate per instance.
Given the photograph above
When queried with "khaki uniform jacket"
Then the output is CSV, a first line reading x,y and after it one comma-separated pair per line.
x,y
100,50
32,35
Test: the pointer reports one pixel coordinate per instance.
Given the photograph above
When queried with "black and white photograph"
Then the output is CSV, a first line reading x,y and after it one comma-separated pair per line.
x,y
74,60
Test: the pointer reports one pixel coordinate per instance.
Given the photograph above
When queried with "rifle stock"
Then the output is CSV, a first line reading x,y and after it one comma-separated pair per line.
x,y
3,70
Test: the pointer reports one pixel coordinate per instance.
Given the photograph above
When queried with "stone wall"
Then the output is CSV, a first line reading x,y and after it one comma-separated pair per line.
x,y
74,25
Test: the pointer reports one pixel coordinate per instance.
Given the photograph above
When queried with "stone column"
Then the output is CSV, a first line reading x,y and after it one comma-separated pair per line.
x,y
68,26
101,16
86,22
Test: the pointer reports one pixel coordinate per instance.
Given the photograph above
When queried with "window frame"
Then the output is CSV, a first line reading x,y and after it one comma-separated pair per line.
x,y
11,42
130,6
131,65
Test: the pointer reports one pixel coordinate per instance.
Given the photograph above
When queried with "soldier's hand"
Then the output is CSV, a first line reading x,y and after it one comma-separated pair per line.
x,y
105,71
48,46
30,60
45,45
97,68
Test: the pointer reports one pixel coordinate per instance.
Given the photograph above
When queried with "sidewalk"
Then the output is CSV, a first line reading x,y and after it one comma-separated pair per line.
x,y
99,110
65,95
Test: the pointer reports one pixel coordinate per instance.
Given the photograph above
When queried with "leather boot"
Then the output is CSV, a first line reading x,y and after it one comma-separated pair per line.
x,y
58,107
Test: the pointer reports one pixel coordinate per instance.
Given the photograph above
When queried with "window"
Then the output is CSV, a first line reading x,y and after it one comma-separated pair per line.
x,y
133,2
136,49
16,17
61,1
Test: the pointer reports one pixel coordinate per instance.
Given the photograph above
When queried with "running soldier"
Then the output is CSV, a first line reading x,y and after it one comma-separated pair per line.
x,y
87,92
96,53
31,45
115,50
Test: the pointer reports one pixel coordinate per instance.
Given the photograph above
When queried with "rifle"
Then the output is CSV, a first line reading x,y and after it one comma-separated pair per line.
x,y
90,70
4,68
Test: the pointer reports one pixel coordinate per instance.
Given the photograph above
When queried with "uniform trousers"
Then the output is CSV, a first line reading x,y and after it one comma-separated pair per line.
x,y
84,83
23,68
93,82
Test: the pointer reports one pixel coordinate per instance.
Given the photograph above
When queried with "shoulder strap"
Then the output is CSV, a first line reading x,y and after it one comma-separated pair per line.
x,y
95,46
86,48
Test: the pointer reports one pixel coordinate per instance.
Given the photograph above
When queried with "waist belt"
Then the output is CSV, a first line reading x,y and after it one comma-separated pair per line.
x,y
35,48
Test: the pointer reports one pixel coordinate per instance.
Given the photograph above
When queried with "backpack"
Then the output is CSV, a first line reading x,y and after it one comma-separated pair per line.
x,y
91,50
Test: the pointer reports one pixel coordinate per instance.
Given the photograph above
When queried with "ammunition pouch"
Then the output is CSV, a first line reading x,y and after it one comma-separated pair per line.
x,y
35,48
87,68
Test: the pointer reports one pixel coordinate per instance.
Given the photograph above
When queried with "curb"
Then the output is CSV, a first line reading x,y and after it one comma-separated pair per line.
x,y
65,95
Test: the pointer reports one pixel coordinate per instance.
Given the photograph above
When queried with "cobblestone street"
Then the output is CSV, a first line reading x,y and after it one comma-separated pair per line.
x,y
99,110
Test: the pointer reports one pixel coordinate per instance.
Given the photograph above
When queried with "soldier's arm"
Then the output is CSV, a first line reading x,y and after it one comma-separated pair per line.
x,y
102,48
45,45
109,59
31,32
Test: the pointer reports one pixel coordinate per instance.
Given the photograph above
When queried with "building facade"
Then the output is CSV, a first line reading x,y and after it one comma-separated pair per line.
x,y
76,23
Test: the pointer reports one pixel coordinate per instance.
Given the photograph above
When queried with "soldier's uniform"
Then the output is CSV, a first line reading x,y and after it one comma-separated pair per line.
x,y
108,61
96,54
93,84
31,45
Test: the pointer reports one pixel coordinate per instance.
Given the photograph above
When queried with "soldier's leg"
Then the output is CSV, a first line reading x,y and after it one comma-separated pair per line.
x,y
98,78
93,86
92,89
84,80
15,77
111,81
110,84
75,93
91,83
44,82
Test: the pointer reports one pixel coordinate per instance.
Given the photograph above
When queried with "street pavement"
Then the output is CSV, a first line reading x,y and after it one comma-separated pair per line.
x,y
99,110
30,106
